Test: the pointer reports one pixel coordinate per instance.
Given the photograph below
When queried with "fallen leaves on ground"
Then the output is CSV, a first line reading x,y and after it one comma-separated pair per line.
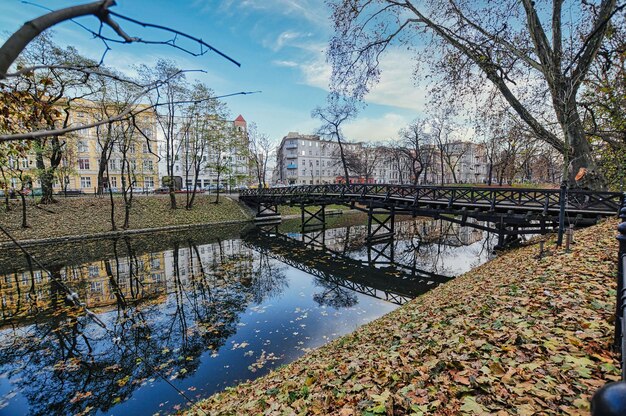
x,y
92,215
518,335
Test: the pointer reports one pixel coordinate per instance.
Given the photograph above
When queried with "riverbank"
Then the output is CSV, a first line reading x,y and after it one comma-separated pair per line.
x,y
92,215
517,335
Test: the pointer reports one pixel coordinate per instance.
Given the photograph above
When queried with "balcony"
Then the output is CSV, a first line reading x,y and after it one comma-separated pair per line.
x,y
292,166
292,156
292,146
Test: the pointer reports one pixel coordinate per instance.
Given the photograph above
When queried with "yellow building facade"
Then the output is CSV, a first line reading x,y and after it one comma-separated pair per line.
x,y
132,150
98,284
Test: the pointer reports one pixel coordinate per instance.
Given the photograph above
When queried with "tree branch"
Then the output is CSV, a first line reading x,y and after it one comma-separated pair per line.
x,y
100,9
127,113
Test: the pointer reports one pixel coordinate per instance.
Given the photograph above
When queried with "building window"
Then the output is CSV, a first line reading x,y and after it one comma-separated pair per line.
x,y
147,165
82,147
148,182
113,164
83,163
85,182
145,148
114,182
96,287
132,148
94,271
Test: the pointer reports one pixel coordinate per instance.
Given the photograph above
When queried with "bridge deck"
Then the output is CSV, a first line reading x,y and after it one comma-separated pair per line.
x,y
406,198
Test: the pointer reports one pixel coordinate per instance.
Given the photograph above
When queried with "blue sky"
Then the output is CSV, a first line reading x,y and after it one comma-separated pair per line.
x,y
280,44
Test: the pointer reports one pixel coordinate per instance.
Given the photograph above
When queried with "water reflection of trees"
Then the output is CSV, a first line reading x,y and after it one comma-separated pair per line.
x,y
157,323
420,246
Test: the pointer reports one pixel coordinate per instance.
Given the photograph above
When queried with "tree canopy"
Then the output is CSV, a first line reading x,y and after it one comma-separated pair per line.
x,y
536,56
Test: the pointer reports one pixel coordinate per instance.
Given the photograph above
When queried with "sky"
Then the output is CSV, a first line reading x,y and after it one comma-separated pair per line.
x,y
281,47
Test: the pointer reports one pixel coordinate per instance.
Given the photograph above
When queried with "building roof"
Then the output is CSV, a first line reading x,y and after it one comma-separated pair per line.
x,y
240,118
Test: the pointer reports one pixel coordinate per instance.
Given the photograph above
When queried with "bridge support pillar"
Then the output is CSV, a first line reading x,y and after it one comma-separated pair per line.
x,y
380,223
507,234
267,212
313,216
381,255
314,238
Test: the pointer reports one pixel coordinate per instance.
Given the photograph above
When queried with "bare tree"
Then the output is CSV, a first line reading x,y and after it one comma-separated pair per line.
x,y
172,93
47,103
502,44
261,148
363,159
224,143
197,132
416,146
337,111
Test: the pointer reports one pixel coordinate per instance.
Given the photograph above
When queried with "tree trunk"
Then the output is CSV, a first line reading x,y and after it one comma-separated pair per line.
x,y
217,189
343,161
102,168
581,156
441,163
47,174
23,198
45,178
113,227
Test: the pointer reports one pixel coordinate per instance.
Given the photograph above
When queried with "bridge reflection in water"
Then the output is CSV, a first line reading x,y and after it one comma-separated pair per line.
x,y
396,269
202,309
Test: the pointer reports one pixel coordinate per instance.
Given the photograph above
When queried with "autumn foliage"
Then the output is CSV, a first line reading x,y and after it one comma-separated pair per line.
x,y
518,335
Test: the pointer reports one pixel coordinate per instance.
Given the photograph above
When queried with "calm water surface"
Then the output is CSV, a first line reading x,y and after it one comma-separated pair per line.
x,y
177,317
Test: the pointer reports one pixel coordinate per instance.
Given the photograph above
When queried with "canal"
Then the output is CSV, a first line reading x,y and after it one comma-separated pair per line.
x,y
168,318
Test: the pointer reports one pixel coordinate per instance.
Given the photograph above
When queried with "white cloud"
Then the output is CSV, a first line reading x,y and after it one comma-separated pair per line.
x,y
375,129
396,87
288,64
313,11
286,38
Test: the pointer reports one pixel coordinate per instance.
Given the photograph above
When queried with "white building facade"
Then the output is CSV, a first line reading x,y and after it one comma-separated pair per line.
x,y
232,170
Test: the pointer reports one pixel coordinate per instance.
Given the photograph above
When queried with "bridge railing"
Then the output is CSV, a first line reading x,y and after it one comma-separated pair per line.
x,y
536,199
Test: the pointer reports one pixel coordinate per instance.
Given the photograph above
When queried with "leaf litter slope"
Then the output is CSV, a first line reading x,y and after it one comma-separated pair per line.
x,y
517,335
90,215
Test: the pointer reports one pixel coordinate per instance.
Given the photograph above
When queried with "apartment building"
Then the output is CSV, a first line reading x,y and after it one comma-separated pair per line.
x,y
467,160
82,153
307,159
225,151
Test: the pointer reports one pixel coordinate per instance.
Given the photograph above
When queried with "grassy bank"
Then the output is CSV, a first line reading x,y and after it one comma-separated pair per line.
x,y
91,215
517,335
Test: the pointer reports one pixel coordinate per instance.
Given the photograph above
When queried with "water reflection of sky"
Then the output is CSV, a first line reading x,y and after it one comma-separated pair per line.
x,y
247,314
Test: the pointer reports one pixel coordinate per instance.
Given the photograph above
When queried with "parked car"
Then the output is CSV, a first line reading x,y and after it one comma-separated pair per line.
x,y
162,190
188,190
140,190
214,187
